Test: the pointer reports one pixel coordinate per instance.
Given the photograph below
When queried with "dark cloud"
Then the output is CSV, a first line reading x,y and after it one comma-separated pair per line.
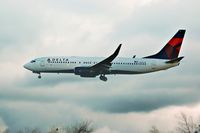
x,y
147,96
144,102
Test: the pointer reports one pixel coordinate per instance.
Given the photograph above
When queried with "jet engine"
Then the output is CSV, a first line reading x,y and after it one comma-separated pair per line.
x,y
85,72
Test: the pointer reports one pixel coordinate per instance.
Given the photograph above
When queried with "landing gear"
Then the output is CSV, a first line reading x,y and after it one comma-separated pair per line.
x,y
39,76
103,78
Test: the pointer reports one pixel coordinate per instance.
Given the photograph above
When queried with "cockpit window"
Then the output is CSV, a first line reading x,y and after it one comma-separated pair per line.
x,y
32,61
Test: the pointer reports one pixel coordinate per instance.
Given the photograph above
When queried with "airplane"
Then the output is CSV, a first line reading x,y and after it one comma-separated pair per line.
x,y
92,67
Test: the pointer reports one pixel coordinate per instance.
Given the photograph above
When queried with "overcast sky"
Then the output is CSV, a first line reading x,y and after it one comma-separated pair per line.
x,y
124,104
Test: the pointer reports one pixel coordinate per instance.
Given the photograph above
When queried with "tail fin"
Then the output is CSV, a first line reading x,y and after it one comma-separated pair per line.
x,y
172,48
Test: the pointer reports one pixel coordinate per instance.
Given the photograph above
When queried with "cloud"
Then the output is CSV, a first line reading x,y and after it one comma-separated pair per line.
x,y
17,115
120,99
95,28
106,130
2,125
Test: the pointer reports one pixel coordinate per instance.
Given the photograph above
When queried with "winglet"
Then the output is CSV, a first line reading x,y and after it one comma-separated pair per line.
x,y
107,62
117,51
114,55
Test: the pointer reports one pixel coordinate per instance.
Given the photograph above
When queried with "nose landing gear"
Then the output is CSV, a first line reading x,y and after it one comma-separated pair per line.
x,y
39,76
103,78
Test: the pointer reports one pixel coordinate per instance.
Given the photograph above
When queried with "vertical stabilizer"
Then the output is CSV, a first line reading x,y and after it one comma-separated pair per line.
x,y
172,48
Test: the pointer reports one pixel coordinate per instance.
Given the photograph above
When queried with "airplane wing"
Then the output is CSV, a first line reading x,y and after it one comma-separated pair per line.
x,y
106,63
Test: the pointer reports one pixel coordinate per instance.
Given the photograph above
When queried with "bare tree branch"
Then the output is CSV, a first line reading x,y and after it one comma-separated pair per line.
x,y
185,124
154,129
79,127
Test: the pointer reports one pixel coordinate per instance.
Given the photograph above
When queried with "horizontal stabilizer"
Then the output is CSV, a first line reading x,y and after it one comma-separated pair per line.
x,y
175,60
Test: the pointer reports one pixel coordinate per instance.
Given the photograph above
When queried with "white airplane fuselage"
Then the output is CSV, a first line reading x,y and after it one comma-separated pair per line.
x,y
120,65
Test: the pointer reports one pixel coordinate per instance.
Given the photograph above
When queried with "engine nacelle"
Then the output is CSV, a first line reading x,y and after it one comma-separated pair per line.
x,y
84,72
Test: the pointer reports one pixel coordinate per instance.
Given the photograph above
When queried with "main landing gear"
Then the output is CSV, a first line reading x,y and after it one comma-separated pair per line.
x,y
103,77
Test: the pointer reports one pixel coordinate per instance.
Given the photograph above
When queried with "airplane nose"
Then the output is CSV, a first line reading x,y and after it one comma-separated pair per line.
x,y
27,66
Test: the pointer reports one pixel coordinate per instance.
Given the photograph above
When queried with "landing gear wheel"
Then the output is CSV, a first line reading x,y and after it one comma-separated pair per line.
x,y
39,76
103,78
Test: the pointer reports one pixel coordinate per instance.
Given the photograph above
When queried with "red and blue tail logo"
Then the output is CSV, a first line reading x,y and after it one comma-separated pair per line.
x,y
172,48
